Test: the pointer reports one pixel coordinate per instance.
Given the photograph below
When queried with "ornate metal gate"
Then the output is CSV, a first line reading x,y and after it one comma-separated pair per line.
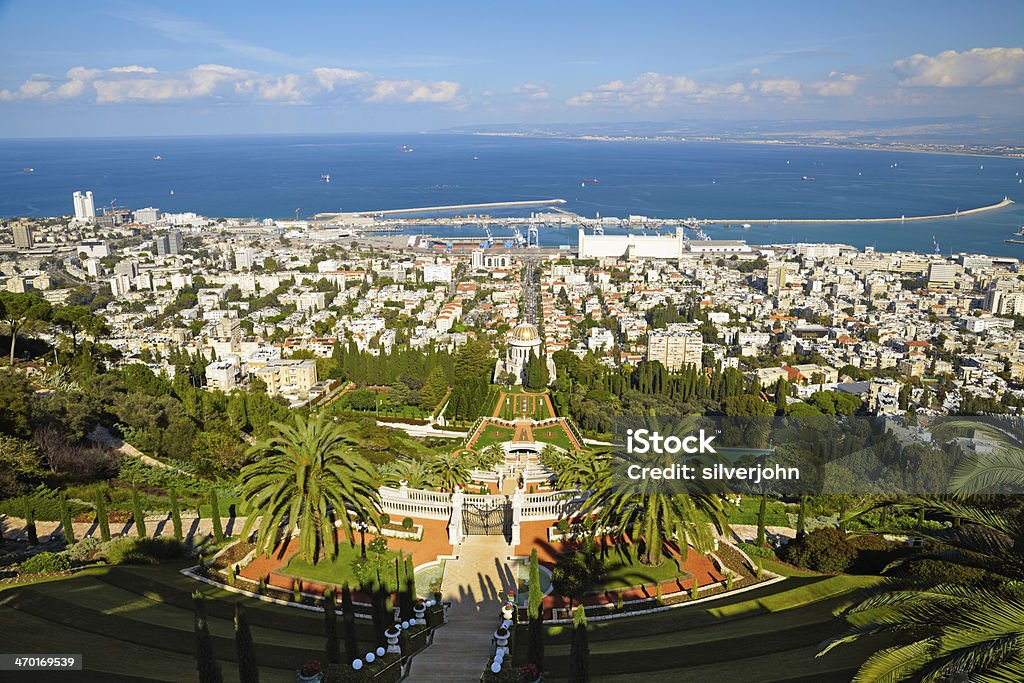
x,y
488,520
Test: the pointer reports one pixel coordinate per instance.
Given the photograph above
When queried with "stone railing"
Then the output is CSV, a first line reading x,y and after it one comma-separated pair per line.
x,y
415,503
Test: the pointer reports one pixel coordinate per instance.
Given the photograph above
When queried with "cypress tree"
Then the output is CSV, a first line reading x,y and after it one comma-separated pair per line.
x,y
101,516
579,653
762,512
206,663
247,669
535,613
218,530
332,647
380,617
65,519
30,523
138,514
175,514
348,618
801,519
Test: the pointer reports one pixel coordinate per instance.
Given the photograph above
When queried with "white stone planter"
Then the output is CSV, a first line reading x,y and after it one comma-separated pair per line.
x,y
392,636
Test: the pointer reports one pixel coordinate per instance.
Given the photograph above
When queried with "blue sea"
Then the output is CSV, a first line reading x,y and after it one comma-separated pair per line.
x,y
272,176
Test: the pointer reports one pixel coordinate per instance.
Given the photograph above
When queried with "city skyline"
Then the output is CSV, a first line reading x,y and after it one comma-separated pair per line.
x,y
126,68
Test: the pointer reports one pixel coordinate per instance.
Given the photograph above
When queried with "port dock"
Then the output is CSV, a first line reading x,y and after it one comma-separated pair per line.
x,y
902,219
452,207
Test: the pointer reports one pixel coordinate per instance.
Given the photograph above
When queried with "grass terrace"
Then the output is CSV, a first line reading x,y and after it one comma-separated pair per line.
x,y
136,624
554,434
769,634
339,571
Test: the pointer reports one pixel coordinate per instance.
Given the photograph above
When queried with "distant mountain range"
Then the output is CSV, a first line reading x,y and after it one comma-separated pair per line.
x,y
945,132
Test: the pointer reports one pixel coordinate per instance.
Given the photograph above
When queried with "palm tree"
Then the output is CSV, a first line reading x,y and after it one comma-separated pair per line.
x,y
1002,469
966,629
586,470
650,513
492,456
416,473
304,478
450,471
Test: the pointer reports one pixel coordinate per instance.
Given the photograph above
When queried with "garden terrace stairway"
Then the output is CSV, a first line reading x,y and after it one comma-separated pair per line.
x,y
475,584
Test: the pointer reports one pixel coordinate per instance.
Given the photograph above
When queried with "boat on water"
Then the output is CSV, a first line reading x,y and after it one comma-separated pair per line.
x,y
157,157
1020,233
326,177
406,149
807,177
746,226
28,170
591,180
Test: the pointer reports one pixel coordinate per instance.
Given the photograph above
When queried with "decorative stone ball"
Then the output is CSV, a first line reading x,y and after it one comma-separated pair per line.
x,y
405,624
496,667
380,652
499,656
370,657
357,664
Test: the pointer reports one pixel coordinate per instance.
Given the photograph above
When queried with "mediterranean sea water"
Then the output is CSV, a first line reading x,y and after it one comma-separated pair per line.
x,y
272,176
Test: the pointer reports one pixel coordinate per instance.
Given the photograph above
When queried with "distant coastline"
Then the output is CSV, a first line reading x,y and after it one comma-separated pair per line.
x,y
873,147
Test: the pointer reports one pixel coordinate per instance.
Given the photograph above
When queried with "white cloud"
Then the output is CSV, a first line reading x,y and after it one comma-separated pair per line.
x,y
133,69
532,91
837,85
777,87
329,78
143,84
649,89
437,92
979,67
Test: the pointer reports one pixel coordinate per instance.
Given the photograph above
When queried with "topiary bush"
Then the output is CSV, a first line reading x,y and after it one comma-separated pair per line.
x,y
385,519
45,563
408,524
823,550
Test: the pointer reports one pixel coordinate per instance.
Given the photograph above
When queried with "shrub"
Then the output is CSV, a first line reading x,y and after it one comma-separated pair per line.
x,y
46,563
129,550
84,549
385,519
562,525
938,571
824,550
755,550
873,554
408,524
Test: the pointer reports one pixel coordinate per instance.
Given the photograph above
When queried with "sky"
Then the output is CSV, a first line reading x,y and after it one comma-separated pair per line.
x,y
218,67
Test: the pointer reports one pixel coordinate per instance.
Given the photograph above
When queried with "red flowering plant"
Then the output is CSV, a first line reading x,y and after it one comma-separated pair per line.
x,y
311,667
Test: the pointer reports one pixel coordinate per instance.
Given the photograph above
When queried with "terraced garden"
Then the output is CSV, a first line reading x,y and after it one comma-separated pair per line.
x,y
768,634
135,623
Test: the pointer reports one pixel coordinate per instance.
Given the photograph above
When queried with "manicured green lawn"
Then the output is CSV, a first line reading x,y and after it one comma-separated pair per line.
x,y
748,508
493,434
554,434
625,570
767,634
339,570
136,623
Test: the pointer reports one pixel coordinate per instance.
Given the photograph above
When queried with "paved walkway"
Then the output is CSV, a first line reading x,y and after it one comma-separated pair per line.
x,y
475,583
156,525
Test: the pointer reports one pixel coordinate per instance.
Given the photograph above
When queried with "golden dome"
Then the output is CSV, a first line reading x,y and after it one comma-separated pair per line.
x,y
525,332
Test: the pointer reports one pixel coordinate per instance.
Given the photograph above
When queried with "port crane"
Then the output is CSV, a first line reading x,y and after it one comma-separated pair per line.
x,y
533,236
517,235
